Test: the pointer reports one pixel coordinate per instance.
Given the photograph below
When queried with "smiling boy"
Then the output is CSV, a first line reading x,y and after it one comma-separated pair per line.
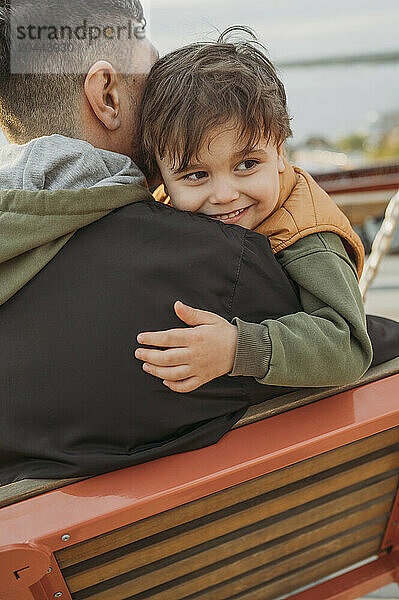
x,y
214,121
226,183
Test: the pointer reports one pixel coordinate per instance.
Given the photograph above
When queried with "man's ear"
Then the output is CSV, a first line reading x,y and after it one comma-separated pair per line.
x,y
103,94
280,157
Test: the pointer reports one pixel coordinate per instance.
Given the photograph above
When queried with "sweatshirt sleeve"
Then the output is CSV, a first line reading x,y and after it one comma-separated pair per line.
x,y
325,345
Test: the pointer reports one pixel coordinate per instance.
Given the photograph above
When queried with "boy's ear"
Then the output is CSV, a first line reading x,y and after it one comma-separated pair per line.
x,y
280,158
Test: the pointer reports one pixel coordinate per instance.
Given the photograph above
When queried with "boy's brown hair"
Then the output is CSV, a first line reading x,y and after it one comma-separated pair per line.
x,y
194,89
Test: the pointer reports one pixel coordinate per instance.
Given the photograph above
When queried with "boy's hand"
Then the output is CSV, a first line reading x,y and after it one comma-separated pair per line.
x,y
193,356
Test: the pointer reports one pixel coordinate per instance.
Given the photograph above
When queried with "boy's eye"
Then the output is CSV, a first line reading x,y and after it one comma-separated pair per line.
x,y
196,176
246,165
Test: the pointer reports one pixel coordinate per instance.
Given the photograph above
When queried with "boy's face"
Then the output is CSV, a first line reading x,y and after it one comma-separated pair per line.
x,y
226,184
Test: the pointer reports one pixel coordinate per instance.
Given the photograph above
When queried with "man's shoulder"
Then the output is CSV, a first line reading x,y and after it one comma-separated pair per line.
x,y
154,216
161,231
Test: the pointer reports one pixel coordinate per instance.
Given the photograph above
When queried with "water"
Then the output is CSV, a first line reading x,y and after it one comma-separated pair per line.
x,y
336,101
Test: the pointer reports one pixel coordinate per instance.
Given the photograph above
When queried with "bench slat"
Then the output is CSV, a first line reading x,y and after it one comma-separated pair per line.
x,y
245,535
244,574
126,559
227,498
300,537
316,570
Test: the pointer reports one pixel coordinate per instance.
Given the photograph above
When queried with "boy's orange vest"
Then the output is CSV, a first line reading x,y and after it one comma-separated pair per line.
x,y
303,208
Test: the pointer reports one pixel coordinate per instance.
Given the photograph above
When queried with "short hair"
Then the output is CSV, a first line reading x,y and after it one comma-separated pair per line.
x,y
201,86
42,95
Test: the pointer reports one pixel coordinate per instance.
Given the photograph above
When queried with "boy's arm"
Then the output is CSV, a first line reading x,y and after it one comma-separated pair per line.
x,y
327,344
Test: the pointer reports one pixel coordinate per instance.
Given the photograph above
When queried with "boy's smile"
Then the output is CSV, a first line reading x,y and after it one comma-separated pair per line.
x,y
226,184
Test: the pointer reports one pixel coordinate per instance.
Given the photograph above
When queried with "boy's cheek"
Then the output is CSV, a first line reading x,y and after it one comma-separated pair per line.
x,y
266,206
184,198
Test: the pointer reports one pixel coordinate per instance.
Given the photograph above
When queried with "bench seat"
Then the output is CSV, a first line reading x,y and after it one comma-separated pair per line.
x,y
276,505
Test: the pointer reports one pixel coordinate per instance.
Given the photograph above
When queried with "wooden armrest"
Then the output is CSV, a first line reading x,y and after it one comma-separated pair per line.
x,y
22,490
298,398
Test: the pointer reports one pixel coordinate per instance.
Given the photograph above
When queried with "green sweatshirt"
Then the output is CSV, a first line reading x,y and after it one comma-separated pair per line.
x,y
325,345
50,188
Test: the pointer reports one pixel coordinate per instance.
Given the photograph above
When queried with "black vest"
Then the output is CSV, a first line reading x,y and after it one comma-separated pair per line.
x,y
74,400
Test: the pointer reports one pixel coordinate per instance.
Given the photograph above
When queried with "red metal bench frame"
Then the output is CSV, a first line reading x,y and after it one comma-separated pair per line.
x,y
32,530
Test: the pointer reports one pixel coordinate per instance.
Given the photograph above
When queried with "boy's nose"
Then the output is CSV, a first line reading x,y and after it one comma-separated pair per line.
x,y
224,194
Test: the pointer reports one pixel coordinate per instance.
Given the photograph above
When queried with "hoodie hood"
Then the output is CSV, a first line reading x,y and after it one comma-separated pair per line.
x,y
57,162
49,189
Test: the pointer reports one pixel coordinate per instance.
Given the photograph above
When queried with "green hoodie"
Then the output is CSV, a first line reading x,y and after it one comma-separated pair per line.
x,y
37,218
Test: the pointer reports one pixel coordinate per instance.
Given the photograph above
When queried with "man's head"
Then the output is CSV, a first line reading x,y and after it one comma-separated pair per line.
x,y
73,68
213,120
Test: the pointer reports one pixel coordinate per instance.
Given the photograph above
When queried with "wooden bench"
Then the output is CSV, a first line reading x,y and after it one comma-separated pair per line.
x,y
278,504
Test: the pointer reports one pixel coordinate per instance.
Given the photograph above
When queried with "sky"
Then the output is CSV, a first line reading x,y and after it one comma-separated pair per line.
x,y
289,28
333,101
